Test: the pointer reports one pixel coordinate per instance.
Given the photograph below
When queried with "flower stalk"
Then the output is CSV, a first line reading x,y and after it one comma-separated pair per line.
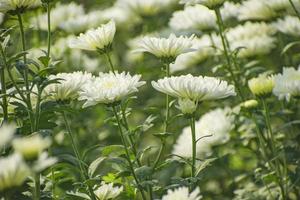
x,y
49,29
3,85
194,143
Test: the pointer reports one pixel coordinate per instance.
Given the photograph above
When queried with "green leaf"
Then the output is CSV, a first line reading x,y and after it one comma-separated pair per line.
x,y
204,165
113,150
289,46
94,165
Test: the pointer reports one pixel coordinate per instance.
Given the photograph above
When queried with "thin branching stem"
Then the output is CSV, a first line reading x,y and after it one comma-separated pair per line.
x,y
194,143
3,85
295,9
110,62
83,171
49,29
127,152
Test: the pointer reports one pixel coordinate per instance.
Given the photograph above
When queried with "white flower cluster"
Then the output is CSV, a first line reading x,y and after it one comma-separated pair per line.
x,y
289,25
212,129
107,191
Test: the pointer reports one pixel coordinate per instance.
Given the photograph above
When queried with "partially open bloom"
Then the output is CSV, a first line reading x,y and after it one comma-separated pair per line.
x,y
14,171
165,48
32,146
261,85
107,191
287,84
197,88
196,17
109,88
252,103
6,131
68,86
212,129
289,25
182,193
12,5
99,39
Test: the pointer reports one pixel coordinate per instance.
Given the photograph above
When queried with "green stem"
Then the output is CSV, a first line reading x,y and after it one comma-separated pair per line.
x,y
166,122
226,52
3,85
110,62
37,110
127,152
130,138
83,171
273,149
37,187
25,69
294,8
194,143
49,29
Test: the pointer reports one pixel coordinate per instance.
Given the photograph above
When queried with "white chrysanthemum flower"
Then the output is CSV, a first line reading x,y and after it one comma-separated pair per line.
x,y
32,146
210,132
120,15
68,86
165,48
289,25
12,5
60,14
7,132
197,88
261,85
109,88
187,106
287,84
256,10
203,50
145,7
99,39
253,39
182,193
76,25
43,162
196,17
107,191
13,171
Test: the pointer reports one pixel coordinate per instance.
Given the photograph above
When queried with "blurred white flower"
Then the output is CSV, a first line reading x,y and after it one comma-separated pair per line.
x,y
30,147
109,88
14,171
230,10
67,87
182,193
43,162
261,85
289,25
145,7
253,39
196,17
287,84
107,191
77,24
256,10
99,39
195,88
119,15
12,5
203,50
60,14
7,132
208,3
165,48
212,129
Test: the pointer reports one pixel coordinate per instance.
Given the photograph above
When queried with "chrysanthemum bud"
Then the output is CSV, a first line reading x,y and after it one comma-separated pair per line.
x,y
262,85
186,106
249,104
